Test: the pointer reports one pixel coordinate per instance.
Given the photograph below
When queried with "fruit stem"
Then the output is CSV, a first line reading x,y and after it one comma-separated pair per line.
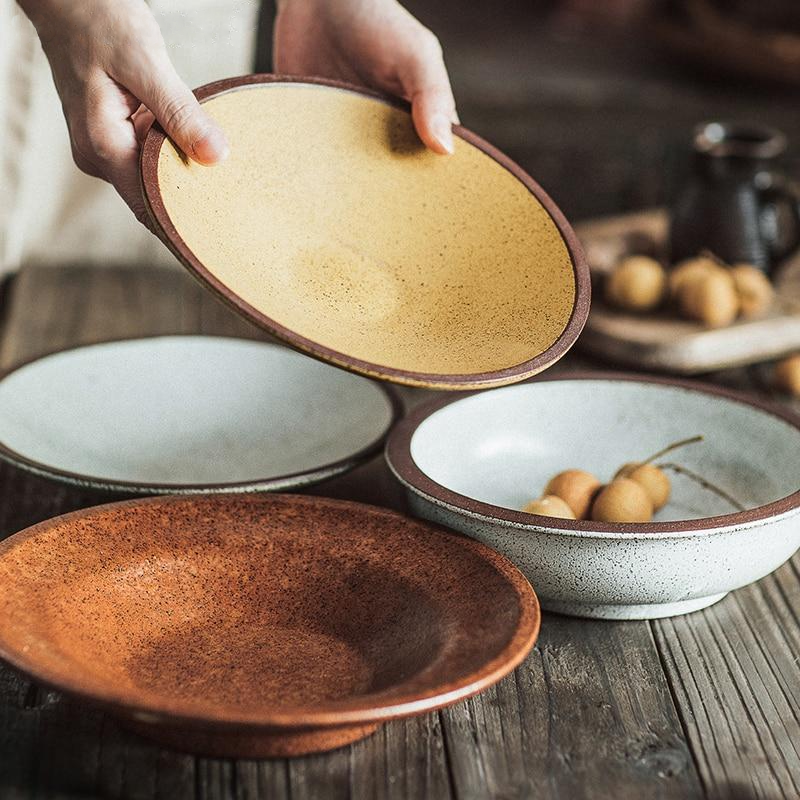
x,y
669,448
699,479
712,257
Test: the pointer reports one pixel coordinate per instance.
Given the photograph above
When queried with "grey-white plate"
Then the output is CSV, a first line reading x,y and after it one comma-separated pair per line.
x,y
189,414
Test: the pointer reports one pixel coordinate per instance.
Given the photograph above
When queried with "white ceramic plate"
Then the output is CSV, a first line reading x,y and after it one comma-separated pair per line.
x,y
189,413
474,462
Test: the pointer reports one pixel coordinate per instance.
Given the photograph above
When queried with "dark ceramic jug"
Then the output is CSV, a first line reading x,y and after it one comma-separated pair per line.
x,y
736,203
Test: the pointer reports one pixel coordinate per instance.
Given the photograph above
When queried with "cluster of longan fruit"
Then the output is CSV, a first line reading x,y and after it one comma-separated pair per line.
x,y
701,288
637,491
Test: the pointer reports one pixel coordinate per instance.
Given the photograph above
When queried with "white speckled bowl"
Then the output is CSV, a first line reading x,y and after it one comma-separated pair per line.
x,y
471,462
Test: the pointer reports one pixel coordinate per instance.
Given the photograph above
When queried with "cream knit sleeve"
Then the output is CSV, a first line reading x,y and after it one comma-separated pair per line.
x,y
50,213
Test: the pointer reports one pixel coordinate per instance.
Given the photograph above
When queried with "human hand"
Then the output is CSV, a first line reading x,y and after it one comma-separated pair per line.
x,y
113,75
374,43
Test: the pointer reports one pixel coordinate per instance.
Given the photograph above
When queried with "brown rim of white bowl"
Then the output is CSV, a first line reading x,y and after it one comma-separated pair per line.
x,y
398,456
279,483
166,231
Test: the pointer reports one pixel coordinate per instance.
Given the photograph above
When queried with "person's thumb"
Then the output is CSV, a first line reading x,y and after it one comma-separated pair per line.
x,y
427,85
182,117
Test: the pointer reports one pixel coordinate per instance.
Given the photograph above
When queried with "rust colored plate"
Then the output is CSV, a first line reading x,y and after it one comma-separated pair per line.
x,y
332,227
259,625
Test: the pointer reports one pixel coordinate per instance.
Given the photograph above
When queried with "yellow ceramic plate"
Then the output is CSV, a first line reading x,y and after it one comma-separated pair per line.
x,y
331,226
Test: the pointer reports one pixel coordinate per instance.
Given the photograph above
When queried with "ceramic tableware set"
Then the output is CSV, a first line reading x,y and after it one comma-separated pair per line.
x,y
227,620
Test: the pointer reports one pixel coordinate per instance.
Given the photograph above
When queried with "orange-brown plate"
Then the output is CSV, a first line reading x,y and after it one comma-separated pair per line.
x,y
259,625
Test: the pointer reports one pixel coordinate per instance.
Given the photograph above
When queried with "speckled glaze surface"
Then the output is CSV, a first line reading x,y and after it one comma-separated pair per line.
x,y
332,226
259,625
471,463
189,414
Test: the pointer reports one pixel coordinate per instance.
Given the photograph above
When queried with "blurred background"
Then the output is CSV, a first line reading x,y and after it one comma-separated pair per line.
x,y
598,99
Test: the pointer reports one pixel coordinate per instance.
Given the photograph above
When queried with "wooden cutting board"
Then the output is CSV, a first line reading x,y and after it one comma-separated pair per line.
x,y
661,341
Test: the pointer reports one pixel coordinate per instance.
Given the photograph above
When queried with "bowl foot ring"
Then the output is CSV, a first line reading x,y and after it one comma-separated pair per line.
x,y
237,744
645,611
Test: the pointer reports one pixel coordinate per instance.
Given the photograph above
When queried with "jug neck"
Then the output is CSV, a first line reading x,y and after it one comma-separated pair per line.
x,y
731,150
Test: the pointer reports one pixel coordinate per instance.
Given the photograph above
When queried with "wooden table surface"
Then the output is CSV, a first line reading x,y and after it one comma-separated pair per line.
x,y
706,705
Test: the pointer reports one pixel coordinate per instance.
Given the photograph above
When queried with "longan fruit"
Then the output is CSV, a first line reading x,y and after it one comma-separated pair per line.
x,y
637,284
712,299
754,290
652,479
622,500
687,288
576,488
787,375
687,271
550,506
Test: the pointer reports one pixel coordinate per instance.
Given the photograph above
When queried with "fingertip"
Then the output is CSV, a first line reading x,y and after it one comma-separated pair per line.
x,y
434,126
211,148
438,147
441,135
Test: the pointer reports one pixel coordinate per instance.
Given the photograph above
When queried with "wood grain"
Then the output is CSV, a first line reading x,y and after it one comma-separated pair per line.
x,y
733,669
53,309
603,126
587,716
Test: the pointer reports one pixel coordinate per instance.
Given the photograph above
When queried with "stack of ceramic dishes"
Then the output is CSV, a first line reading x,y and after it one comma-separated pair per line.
x,y
232,622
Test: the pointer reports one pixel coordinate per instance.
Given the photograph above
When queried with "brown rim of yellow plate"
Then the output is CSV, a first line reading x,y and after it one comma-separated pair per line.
x,y
166,230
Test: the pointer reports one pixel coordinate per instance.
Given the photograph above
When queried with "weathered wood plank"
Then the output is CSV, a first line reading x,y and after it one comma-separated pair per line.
x,y
403,759
261,779
52,748
589,714
53,309
734,674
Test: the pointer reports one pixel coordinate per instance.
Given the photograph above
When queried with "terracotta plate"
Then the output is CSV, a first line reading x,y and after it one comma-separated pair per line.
x,y
259,625
331,226
189,413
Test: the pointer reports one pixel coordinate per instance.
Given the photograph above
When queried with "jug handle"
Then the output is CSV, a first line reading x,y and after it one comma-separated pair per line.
x,y
781,192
